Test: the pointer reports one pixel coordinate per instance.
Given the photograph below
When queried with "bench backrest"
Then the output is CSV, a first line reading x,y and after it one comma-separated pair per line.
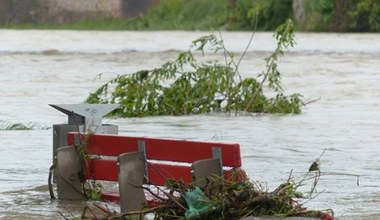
x,y
167,159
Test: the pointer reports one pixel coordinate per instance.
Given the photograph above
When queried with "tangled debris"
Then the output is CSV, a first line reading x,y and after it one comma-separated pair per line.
x,y
220,199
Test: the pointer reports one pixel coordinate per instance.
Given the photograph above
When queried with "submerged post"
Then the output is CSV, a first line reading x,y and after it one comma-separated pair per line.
x,y
82,118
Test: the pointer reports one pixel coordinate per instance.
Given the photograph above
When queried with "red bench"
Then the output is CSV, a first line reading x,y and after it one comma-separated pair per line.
x,y
131,160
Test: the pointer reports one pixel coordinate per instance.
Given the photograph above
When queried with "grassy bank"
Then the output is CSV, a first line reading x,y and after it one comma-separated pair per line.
x,y
239,15
102,24
189,15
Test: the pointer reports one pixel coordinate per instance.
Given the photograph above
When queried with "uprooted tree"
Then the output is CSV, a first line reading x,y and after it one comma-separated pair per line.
x,y
188,86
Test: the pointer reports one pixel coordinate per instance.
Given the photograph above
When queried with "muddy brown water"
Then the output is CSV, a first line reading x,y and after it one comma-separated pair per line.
x,y
340,71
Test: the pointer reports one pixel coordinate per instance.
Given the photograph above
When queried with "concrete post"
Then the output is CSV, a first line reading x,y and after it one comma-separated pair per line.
x,y
82,118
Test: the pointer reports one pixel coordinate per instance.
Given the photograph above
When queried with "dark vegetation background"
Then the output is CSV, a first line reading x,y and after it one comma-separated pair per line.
x,y
310,15
240,15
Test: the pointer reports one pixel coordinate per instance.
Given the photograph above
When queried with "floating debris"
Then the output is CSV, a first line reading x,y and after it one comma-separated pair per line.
x,y
220,199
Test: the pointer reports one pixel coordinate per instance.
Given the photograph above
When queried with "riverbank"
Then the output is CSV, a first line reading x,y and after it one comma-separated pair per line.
x,y
233,15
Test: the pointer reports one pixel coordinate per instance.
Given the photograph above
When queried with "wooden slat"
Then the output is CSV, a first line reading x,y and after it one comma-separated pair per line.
x,y
157,173
101,170
107,145
161,149
111,196
190,151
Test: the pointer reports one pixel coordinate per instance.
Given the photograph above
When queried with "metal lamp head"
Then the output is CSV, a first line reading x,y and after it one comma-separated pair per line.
x,y
88,114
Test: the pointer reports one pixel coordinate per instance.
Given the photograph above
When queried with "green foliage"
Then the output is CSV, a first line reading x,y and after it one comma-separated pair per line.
x,y
343,15
241,16
189,15
365,14
326,8
206,15
188,86
230,199
271,13
92,189
7,126
182,14
320,15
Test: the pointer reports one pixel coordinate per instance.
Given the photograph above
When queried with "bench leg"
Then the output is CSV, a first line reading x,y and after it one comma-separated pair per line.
x,y
131,177
68,168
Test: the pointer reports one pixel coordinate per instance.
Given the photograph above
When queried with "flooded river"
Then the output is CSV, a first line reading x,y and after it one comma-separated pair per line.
x,y
340,72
